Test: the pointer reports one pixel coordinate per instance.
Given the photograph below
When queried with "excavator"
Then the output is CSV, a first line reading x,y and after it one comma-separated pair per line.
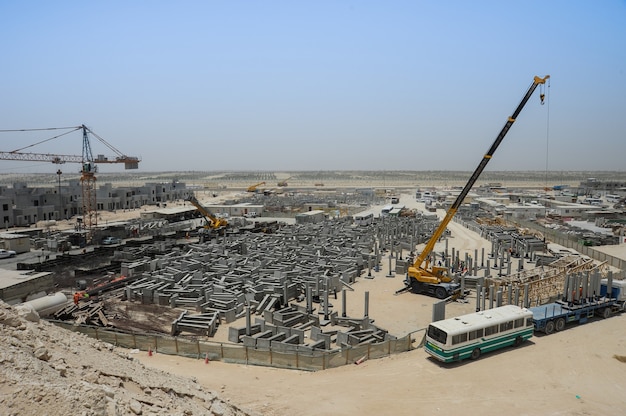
x,y
435,280
212,222
253,188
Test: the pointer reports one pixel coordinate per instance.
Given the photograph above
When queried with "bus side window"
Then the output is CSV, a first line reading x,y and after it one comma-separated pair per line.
x,y
529,321
519,322
476,334
457,339
506,326
490,330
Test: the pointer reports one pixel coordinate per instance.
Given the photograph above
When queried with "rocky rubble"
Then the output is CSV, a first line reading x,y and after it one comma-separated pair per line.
x,y
46,370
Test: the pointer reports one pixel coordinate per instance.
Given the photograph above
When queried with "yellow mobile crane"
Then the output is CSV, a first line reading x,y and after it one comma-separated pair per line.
x,y
284,181
435,280
212,222
253,188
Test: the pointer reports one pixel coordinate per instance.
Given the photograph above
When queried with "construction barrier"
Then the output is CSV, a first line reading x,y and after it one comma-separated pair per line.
x,y
297,358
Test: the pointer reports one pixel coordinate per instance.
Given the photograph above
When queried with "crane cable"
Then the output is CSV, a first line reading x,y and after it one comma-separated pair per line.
x,y
543,91
43,141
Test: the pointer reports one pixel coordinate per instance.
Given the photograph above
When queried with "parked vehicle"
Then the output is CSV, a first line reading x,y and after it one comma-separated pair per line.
x,y
6,253
107,241
471,335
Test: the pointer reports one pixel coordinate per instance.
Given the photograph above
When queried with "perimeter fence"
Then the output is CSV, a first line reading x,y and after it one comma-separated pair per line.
x,y
297,357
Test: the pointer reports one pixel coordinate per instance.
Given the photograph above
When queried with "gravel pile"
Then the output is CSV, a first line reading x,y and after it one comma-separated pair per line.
x,y
45,370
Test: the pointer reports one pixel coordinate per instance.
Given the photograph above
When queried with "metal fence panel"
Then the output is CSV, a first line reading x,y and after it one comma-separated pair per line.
x,y
312,362
146,342
167,346
234,354
188,348
108,336
126,341
213,350
283,359
358,352
336,358
379,350
259,357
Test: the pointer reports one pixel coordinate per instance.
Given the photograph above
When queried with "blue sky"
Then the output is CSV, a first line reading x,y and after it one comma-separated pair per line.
x,y
317,85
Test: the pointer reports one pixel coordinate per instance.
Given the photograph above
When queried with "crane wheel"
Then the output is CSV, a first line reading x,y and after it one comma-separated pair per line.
x,y
417,287
441,293
475,354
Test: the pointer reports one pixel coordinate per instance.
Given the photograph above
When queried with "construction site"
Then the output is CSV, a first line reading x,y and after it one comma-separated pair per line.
x,y
301,275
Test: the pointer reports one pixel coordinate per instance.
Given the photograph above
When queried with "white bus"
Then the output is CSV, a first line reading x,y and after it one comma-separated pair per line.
x,y
612,198
364,219
593,201
386,210
470,335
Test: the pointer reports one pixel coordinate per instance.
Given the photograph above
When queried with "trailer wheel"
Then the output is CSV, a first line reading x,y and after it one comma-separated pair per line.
x,y
518,341
549,327
475,354
606,313
441,293
624,307
560,324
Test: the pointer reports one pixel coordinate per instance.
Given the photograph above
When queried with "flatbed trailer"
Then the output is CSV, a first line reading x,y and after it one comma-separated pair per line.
x,y
554,316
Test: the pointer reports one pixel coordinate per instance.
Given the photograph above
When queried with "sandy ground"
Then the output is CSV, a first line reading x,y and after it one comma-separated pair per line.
x,y
574,372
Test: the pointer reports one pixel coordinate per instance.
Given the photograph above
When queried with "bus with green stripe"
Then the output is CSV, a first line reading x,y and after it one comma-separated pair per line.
x,y
471,335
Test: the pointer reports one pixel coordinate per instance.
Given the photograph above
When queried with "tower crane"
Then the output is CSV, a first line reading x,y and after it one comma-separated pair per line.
x,y
434,280
87,161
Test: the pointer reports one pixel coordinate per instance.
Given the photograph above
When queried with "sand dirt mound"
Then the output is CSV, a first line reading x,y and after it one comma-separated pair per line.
x,y
45,370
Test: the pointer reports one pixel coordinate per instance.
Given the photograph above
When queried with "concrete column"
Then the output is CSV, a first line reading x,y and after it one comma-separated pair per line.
x,y
491,295
248,323
391,274
343,303
526,302
499,298
367,305
309,300
483,291
478,294
326,308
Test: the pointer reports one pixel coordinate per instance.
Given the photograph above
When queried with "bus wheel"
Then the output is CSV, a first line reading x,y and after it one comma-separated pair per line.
x,y
560,324
518,341
606,313
549,327
475,354
441,293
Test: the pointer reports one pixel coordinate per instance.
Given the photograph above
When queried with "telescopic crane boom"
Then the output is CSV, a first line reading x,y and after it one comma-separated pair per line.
x,y
435,280
253,188
213,222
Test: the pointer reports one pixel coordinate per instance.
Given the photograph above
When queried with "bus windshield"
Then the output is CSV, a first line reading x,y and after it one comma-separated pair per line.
x,y
437,334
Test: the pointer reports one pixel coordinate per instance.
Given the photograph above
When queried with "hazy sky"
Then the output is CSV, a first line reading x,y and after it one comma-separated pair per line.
x,y
316,85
